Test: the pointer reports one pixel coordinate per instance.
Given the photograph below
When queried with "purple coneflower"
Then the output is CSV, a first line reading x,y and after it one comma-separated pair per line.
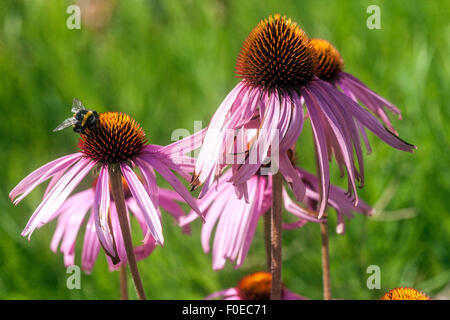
x,y
237,219
116,143
74,212
277,65
255,286
330,68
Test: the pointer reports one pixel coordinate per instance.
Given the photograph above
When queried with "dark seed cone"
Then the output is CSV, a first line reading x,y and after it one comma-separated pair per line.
x,y
255,286
329,62
116,138
276,55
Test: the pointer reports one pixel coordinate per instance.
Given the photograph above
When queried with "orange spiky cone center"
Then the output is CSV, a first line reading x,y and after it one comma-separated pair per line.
x,y
405,294
276,55
329,62
255,286
116,138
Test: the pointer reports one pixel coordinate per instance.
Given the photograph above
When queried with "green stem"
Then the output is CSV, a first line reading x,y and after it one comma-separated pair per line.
x,y
267,237
276,237
123,282
325,261
115,178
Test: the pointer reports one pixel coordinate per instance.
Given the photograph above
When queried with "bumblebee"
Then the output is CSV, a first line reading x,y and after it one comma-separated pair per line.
x,y
82,118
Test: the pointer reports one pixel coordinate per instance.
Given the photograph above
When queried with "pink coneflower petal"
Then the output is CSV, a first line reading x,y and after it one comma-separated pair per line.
x,y
357,84
321,148
221,238
40,175
213,137
176,184
289,295
101,212
338,130
296,125
149,244
150,180
269,131
291,176
294,225
241,225
227,293
76,205
91,246
297,210
367,120
338,198
167,200
363,133
256,211
144,202
53,181
74,221
58,194
340,226
118,239
177,150
213,214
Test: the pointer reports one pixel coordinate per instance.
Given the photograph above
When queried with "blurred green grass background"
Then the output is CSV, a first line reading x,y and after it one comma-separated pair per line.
x,y
168,63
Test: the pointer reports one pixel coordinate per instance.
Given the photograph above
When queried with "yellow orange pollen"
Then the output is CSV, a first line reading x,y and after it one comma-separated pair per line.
x,y
405,294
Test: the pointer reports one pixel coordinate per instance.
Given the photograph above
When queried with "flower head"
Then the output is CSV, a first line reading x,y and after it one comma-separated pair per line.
x,y
277,65
405,294
115,140
255,286
276,55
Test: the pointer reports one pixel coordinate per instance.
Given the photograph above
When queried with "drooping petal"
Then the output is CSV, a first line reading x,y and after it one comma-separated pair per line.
x,y
297,210
258,209
150,180
91,246
102,216
292,177
349,79
144,202
58,194
176,184
296,125
42,174
268,136
289,295
167,200
320,146
227,293
339,130
371,123
210,151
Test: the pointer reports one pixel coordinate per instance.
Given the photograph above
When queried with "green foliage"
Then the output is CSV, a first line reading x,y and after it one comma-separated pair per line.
x,y
168,63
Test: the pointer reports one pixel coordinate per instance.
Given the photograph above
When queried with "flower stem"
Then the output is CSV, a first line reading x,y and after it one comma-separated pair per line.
x,y
325,261
267,237
115,178
275,240
123,282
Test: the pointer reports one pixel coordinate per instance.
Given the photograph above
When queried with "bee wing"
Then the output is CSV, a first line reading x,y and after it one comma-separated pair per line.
x,y
77,105
65,124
